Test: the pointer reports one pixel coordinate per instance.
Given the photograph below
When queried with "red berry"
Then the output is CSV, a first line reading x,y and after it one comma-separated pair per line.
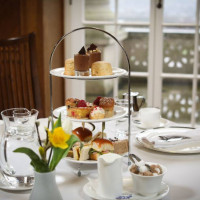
x,y
96,101
81,103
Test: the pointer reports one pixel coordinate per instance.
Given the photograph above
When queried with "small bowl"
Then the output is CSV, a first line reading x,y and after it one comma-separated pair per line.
x,y
147,185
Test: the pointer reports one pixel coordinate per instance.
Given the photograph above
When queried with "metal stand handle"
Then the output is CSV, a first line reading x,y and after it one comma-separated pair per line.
x,y
97,29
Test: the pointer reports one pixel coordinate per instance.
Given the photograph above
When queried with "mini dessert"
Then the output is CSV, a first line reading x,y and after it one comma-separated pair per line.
x,y
84,134
152,170
71,103
120,146
81,62
101,68
69,67
94,53
100,146
97,113
107,103
78,108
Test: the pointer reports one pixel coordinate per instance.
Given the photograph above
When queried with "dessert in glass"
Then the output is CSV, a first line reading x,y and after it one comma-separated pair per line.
x,y
94,53
81,63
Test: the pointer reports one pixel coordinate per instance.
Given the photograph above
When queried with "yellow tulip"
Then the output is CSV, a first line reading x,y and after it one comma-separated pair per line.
x,y
59,138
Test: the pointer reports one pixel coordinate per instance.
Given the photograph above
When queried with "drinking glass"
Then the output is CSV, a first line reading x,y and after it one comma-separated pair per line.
x,y
122,123
19,132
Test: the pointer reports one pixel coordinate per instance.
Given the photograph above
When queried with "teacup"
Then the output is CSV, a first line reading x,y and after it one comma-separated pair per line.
x,y
149,117
147,185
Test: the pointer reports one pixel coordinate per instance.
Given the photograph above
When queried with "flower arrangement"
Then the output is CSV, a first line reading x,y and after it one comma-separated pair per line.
x,y
58,142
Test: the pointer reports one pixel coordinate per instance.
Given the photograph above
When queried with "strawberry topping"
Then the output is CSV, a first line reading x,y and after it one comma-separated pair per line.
x,y
81,103
96,101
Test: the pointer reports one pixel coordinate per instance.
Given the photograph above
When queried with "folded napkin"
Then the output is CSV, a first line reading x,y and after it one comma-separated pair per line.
x,y
155,141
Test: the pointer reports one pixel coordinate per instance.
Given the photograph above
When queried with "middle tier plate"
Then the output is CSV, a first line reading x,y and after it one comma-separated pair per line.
x,y
119,112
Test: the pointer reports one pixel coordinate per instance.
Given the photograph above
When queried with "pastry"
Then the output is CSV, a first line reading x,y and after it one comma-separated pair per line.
x,y
71,102
94,53
84,134
101,68
69,67
78,108
81,61
79,112
107,103
97,113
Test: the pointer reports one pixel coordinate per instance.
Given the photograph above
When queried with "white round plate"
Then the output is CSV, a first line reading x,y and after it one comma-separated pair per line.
x,y
68,159
13,188
127,192
59,72
118,113
152,135
163,123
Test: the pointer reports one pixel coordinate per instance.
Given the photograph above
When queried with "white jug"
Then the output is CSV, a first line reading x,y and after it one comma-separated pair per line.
x,y
110,175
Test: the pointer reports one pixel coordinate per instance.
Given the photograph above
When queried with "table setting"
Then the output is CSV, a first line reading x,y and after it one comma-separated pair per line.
x,y
107,149
66,174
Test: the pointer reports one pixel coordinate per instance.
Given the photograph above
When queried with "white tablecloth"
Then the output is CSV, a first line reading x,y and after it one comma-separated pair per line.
x,y
183,176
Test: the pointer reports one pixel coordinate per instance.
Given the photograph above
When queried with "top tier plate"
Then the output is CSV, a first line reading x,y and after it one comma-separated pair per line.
x,y
117,72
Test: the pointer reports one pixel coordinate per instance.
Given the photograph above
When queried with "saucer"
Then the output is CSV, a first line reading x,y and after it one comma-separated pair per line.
x,y
163,123
89,189
14,188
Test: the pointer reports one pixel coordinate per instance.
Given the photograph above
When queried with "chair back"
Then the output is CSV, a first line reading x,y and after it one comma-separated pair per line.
x,y
19,79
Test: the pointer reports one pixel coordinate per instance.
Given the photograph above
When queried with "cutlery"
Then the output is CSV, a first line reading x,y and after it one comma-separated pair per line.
x,y
132,156
173,137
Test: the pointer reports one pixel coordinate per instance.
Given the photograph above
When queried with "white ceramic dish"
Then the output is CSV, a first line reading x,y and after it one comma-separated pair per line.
x,y
13,188
59,72
163,123
71,160
153,134
147,185
118,113
127,191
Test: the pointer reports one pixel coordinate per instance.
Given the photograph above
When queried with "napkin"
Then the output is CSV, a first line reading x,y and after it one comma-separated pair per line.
x,y
154,140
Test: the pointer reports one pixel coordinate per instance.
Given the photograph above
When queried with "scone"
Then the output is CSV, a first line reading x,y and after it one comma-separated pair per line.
x,y
69,67
101,68
107,103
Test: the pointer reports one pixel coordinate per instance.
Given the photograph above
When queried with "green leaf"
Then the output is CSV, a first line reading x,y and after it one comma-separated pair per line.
x,y
38,164
58,123
59,153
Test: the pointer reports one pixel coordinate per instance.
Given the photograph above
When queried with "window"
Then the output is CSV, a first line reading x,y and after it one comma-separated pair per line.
x,y
163,49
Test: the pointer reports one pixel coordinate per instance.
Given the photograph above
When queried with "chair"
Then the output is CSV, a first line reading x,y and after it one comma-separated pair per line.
x,y
19,80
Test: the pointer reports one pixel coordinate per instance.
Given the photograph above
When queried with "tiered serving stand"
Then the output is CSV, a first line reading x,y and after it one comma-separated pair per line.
x,y
117,72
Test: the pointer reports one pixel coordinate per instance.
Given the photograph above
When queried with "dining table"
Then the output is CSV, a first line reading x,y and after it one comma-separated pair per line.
x,y
182,177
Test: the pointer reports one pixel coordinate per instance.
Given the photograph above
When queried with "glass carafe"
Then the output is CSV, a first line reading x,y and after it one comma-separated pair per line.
x,y
20,131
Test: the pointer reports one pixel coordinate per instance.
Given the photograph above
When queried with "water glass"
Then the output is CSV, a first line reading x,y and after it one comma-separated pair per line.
x,y
122,124
19,132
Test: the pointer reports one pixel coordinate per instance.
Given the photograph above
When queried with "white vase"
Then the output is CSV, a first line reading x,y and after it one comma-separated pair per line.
x,y
45,187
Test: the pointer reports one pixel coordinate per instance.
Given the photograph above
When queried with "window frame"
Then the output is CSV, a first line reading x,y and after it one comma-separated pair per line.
x,y
155,74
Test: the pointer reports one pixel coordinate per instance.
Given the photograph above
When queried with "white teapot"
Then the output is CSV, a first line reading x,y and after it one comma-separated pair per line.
x,y
110,175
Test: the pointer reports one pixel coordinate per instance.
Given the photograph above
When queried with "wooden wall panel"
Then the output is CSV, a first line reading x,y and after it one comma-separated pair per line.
x,y
45,18
53,23
9,18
